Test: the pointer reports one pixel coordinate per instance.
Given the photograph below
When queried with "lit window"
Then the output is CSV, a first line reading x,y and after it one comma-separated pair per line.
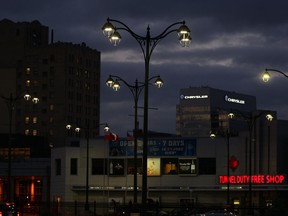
x,y
34,132
26,132
28,70
34,120
27,120
51,107
28,82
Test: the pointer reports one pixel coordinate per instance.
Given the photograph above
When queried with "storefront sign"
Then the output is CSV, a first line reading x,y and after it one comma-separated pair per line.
x,y
156,147
255,179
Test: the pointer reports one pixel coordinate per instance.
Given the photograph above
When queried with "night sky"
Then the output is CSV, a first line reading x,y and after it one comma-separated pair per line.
x,y
232,43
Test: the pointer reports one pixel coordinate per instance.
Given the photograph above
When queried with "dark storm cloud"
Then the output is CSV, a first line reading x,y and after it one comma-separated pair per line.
x,y
233,41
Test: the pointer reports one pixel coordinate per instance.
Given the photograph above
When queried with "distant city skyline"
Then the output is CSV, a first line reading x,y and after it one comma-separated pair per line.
x,y
232,43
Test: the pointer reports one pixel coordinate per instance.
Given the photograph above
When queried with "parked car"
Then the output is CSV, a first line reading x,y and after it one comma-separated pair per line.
x,y
8,209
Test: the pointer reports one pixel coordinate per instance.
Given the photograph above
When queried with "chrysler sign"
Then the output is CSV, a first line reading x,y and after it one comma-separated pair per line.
x,y
189,97
234,100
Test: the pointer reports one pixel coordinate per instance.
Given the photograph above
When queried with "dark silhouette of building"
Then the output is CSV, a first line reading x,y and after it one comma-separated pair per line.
x,y
64,76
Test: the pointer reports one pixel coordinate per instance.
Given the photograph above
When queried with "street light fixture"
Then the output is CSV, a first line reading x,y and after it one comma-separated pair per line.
x,y
266,76
11,102
147,45
136,91
77,129
227,135
251,120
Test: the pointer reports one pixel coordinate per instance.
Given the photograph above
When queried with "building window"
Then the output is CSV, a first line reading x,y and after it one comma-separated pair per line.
x,y
35,83
34,132
51,71
73,166
26,132
51,133
34,120
58,166
44,61
28,83
28,70
207,166
27,120
98,166
51,82
187,166
169,166
131,166
51,107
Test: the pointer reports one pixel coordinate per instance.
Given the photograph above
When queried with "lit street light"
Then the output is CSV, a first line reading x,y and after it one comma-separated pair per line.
x,y
11,102
147,45
251,120
87,133
266,76
136,91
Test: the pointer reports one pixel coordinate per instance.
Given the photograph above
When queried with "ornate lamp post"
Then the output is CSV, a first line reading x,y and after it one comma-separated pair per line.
x,y
11,102
227,135
266,76
87,134
136,91
147,44
251,120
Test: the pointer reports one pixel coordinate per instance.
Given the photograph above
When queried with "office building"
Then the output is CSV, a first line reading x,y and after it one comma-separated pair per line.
x,y
202,110
64,76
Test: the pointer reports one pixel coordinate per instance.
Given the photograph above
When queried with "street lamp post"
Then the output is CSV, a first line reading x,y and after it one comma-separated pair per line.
x,y
87,135
266,76
136,91
11,102
227,136
251,120
147,45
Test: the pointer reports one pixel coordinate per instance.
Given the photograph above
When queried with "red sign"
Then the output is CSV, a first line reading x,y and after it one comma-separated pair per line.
x,y
234,163
255,179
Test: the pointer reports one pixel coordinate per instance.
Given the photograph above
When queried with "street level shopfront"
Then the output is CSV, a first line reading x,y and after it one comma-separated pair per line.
x,y
181,171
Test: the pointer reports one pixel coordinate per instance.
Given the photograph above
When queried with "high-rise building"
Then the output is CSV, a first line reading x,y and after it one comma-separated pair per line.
x,y
64,76
202,110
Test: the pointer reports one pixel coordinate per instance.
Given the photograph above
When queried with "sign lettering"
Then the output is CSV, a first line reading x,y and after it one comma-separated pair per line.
x,y
255,179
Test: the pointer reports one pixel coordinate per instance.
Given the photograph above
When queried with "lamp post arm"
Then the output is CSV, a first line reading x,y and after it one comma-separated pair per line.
x,y
140,39
135,89
122,80
153,77
126,28
167,31
278,71
145,42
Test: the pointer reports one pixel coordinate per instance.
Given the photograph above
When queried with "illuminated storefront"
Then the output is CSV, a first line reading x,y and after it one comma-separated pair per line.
x,y
30,172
